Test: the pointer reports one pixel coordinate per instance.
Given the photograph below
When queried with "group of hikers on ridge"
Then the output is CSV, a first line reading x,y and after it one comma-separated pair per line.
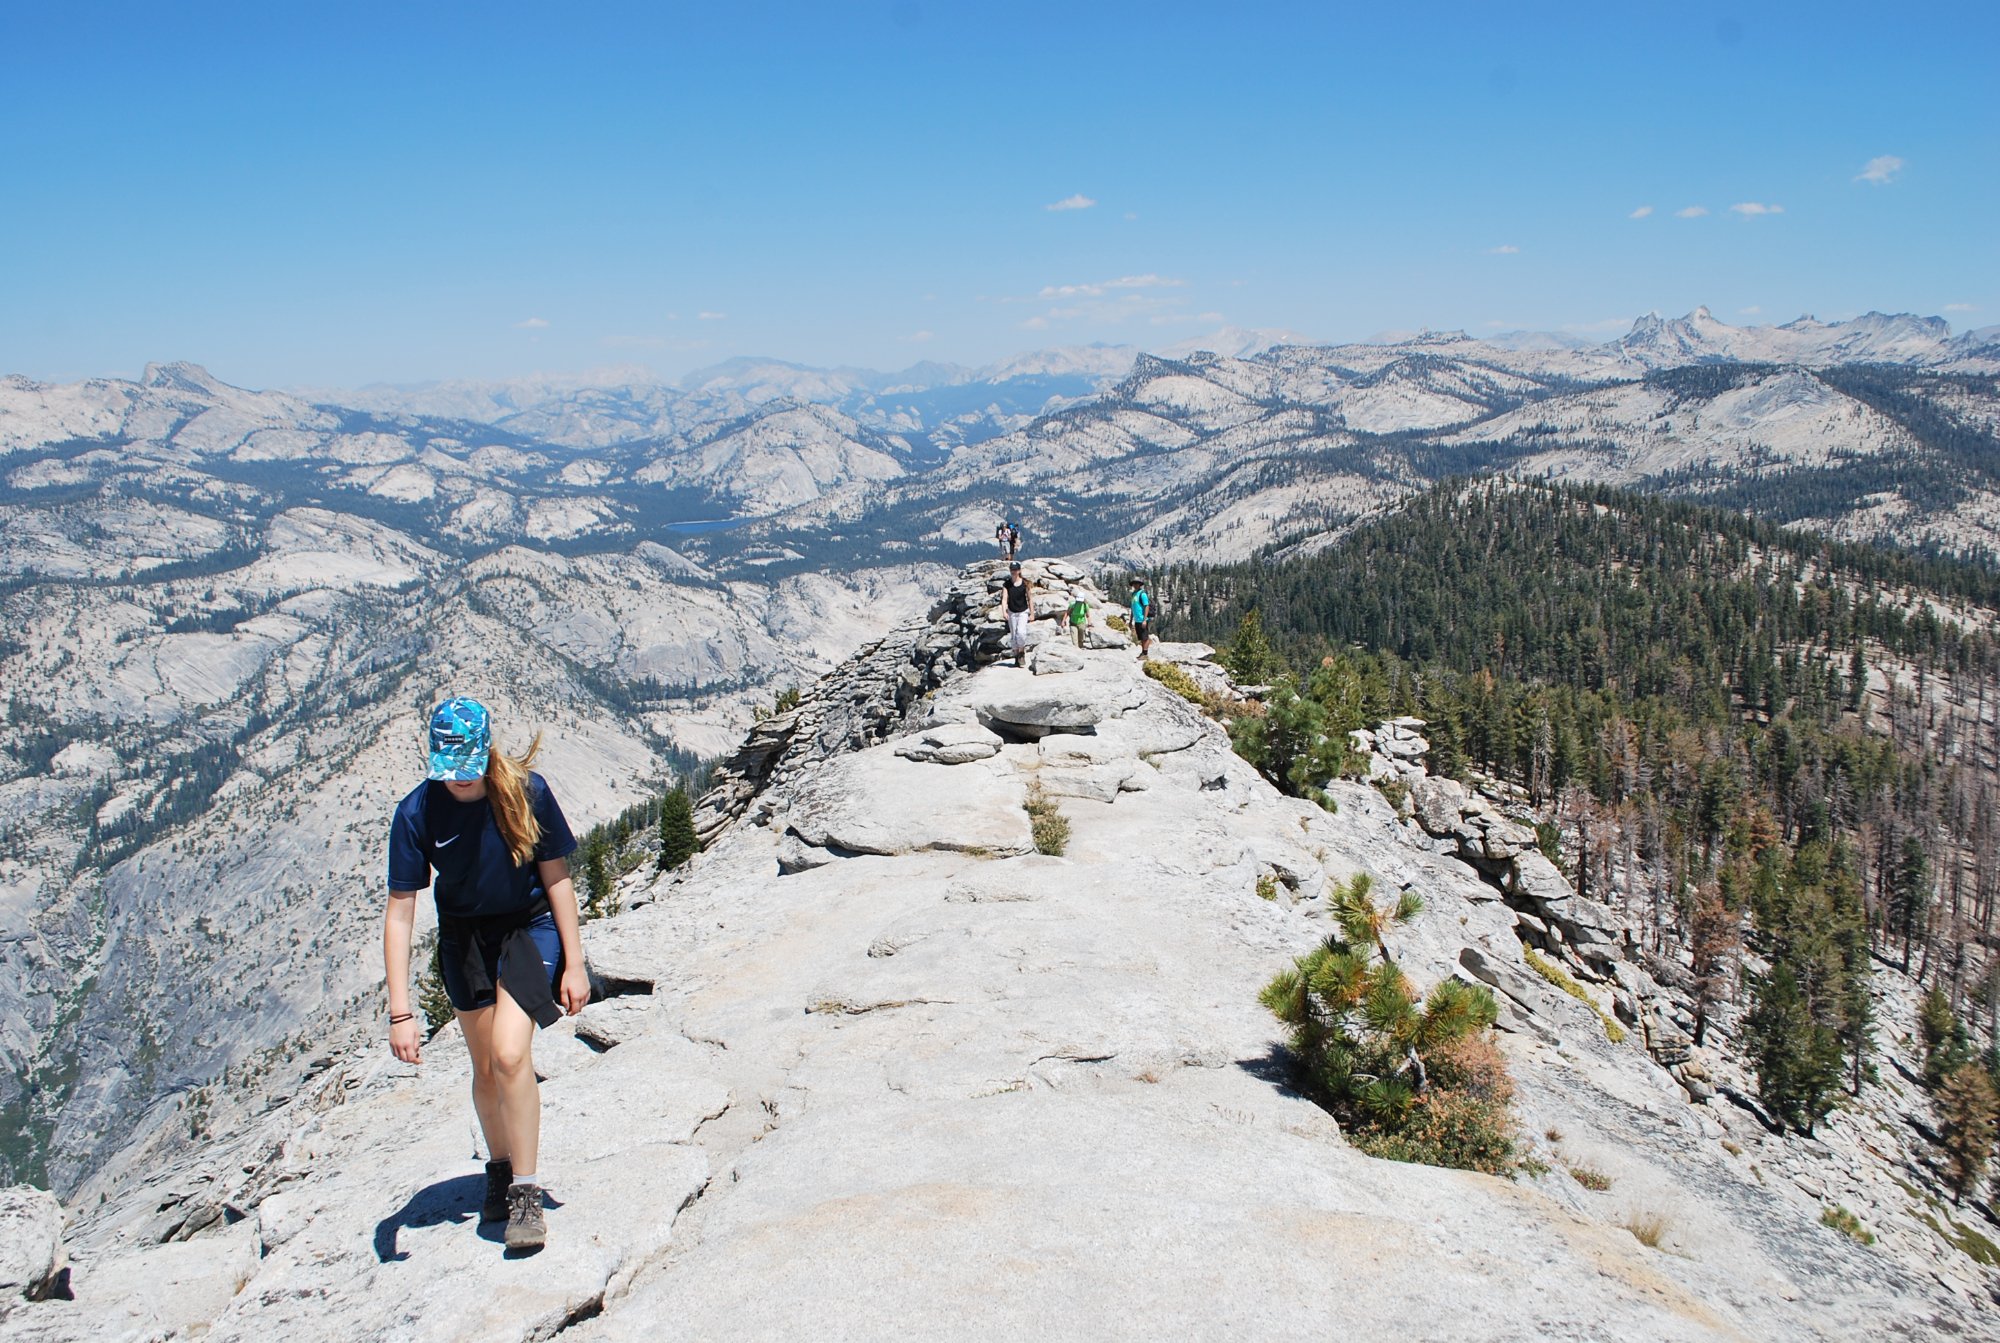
x,y
1018,601
485,831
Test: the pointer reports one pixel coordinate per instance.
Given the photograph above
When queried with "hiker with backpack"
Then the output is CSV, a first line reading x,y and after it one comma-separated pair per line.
x,y
1013,542
1019,600
1000,535
1079,616
508,946
1142,612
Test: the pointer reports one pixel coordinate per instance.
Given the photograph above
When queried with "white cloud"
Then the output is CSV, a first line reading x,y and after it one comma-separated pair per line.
x,y
1750,311
921,336
1035,324
1691,212
1103,287
1756,208
711,316
1131,215
1076,202
1880,170
1641,212
1961,307
532,324
1504,249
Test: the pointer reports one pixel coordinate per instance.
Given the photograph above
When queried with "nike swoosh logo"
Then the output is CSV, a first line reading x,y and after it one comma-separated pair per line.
x,y
441,843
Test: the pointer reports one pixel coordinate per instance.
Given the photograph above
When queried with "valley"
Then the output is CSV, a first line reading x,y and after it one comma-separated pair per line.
x,y
225,610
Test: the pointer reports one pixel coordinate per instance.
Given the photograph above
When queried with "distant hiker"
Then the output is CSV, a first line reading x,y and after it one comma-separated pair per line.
x,y
1013,542
1142,610
1000,536
1020,595
507,937
1079,616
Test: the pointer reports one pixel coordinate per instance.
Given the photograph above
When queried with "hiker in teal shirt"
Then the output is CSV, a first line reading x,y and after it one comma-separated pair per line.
x,y
1142,607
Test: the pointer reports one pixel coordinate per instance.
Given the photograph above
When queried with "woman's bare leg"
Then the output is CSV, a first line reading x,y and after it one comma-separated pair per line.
x,y
516,1094
478,1027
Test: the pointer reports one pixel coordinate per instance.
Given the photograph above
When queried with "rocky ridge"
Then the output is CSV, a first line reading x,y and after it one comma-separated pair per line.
x,y
874,1067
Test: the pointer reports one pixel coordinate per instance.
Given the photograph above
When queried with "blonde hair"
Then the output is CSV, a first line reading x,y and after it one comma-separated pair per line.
x,y
507,791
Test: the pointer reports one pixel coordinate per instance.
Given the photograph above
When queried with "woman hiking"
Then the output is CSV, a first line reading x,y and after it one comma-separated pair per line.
x,y
1019,596
507,937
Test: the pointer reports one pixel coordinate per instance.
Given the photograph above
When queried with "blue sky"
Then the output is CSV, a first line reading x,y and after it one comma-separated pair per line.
x,y
306,194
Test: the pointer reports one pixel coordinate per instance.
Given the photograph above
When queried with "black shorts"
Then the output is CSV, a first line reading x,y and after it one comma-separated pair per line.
x,y
451,961
1143,631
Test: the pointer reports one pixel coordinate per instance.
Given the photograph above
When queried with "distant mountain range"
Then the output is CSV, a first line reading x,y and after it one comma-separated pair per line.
x,y
221,610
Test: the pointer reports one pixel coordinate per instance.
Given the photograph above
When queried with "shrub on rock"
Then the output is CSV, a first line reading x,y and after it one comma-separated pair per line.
x,y
1048,826
1293,744
1409,1080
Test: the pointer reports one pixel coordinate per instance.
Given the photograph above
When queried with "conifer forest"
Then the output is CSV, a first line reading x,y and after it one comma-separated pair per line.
x,y
1776,752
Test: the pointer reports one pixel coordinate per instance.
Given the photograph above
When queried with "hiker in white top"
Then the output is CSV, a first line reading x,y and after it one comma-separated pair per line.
x,y
1020,603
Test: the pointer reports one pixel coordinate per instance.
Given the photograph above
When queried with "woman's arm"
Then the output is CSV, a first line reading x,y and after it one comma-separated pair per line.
x,y
574,991
405,1037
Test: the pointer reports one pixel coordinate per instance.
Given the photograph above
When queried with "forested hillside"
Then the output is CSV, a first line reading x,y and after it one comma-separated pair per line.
x,y
1744,736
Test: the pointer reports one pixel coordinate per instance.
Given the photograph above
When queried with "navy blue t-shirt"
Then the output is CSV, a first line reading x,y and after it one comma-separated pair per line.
x,y
476,876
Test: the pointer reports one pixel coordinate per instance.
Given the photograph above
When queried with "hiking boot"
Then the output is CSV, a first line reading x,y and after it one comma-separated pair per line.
x,y
499,1174
526,1228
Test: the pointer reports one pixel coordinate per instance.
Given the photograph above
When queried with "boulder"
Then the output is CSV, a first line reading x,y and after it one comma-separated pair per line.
x,y
1500,838
874,802
1055,656
1043,705
1406,748
1103,636
1099,783
1439,804
1537,879
31,1255
950,744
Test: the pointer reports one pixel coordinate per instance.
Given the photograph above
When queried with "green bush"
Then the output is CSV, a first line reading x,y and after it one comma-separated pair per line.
x,y
1048,826
1560,977
1408,1080
1175,679
1847,1224
1292,744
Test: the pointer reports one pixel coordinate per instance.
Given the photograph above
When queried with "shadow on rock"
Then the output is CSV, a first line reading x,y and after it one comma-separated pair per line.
x,y
1277,1067
455,1200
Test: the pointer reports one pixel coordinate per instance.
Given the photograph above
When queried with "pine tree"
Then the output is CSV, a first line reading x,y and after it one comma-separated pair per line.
x,y
1249,656
1292,745
597,879
1796,1061
1410,1081
1947,1047
1713,942
1911,893
1968,1115
677,838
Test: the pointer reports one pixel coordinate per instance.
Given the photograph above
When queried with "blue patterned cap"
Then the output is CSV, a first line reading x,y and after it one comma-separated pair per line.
x,y
460,738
